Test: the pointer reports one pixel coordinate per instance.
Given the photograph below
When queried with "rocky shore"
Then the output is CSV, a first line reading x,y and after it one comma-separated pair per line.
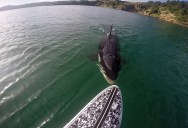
x,y
171,11
166,16
174,12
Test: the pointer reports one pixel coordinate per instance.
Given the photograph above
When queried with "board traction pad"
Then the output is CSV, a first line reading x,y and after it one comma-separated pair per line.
x,y
103,111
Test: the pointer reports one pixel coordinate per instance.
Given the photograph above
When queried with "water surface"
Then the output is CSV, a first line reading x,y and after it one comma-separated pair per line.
x,y
46,77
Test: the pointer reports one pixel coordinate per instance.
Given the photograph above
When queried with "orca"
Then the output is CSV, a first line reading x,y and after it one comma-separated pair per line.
x,y
109,57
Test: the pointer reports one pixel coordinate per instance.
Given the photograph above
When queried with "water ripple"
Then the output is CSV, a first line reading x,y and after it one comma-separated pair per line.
x,y
44,68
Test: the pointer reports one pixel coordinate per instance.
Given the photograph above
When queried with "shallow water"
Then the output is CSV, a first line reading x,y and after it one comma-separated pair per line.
x,y
46,77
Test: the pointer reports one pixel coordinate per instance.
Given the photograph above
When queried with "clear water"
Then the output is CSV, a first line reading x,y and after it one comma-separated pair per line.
x,y
46,77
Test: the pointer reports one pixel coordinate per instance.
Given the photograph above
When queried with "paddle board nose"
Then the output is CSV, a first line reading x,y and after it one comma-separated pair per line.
x,y
103,111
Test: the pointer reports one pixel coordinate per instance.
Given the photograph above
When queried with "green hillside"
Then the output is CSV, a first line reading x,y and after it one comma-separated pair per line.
x,y
171,11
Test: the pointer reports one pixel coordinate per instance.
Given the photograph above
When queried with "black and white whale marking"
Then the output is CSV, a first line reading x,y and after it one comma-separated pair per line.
x,y
103,111
109,58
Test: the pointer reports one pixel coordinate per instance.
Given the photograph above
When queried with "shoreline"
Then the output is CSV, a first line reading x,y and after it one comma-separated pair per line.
x,y
134,7
172,21
174,12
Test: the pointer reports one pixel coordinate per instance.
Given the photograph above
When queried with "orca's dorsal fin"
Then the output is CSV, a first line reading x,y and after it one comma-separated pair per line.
x,y
110,30
110,33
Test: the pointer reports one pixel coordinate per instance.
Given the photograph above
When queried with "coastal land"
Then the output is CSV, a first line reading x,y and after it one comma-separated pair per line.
x,y
170,11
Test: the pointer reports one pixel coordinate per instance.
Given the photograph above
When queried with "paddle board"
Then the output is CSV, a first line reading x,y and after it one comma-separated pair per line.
x,y
103,111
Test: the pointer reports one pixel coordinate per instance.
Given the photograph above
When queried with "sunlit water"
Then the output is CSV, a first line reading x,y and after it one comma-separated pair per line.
x,y
46,76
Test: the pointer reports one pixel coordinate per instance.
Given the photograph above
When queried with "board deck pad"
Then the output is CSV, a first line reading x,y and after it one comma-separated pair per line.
x,y
103,111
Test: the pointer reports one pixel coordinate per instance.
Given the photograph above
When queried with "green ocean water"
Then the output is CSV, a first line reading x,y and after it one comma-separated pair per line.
x,y
46,77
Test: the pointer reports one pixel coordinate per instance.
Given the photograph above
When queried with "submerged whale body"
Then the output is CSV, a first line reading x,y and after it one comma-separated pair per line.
x,y
109,58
